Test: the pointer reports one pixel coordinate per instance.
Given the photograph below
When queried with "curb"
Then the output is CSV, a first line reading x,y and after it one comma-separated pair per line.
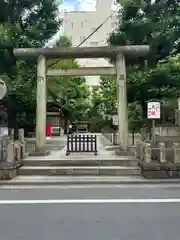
x,y
85,182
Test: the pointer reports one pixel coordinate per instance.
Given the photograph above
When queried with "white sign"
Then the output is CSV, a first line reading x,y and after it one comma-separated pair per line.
x,y
153,110
3,89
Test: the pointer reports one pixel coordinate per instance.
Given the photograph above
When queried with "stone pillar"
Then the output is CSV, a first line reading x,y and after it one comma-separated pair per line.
x,y
138,149
147,152
22,143
11,135
178,100
176,153
41,104
122,107
10,153
162,152
10,157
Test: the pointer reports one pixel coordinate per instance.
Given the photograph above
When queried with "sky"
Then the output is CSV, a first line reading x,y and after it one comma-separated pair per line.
x,y
78,5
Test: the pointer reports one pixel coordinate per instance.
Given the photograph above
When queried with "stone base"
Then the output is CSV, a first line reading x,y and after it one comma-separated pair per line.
x,y
159,170
26,155
8,171
7,174
120,152
40,153
112,148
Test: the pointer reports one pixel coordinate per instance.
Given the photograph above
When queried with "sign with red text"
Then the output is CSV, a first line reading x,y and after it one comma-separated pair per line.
x,y
153,110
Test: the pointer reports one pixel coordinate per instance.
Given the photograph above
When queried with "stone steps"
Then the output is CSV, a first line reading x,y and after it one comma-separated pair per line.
x,y
55,181
125,161
80,170
77,168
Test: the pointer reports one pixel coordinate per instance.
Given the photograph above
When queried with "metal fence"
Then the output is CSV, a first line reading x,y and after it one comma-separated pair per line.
x,y
81,143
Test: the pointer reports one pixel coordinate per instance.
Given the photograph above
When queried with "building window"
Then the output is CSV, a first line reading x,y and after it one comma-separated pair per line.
x,y
82,38
94,43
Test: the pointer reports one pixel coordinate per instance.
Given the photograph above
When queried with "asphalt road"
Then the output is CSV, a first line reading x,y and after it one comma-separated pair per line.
x,y
123,220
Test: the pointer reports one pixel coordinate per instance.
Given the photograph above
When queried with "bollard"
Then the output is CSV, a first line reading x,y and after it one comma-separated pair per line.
x,y
176,153
162,153
147,152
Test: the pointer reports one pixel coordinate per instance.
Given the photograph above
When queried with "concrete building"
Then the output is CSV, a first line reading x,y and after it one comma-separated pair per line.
x,y
79,24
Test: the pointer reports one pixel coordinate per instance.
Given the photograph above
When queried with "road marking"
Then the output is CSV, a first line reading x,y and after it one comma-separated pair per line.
x,y
90,201
93,186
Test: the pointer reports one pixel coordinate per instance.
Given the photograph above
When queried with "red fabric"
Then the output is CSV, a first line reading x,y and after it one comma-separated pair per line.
x,y
48,130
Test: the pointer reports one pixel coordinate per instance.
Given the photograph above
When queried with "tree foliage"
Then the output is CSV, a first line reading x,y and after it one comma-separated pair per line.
x,y
32,24
72,93
153,23
161,82
23,24
156,24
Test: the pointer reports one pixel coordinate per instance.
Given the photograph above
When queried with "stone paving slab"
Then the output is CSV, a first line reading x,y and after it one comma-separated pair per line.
x,y
61,154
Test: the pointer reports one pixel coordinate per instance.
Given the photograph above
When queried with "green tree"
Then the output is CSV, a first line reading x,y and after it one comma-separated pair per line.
x,y
23,24
97,117
71,93
161,82
108,93
155,24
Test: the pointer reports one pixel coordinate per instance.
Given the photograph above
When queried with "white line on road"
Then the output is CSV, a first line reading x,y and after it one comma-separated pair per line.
x,y
89,201
93,186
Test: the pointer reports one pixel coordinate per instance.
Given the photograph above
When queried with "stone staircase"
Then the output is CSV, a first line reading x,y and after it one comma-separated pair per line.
x,y
106,163
76,167
58,168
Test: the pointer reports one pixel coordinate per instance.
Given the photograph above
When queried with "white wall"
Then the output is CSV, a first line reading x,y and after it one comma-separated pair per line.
x,y
78,25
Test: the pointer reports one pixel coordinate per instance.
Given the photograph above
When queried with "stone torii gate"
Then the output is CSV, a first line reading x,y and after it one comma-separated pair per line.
x,y
116,52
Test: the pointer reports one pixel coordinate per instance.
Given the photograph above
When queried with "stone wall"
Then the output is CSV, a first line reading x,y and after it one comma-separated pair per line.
x,y
158,161
12,152
168,131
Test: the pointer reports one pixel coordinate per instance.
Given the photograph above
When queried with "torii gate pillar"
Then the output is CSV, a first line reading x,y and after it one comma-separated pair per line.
x,y
41,104
122,106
